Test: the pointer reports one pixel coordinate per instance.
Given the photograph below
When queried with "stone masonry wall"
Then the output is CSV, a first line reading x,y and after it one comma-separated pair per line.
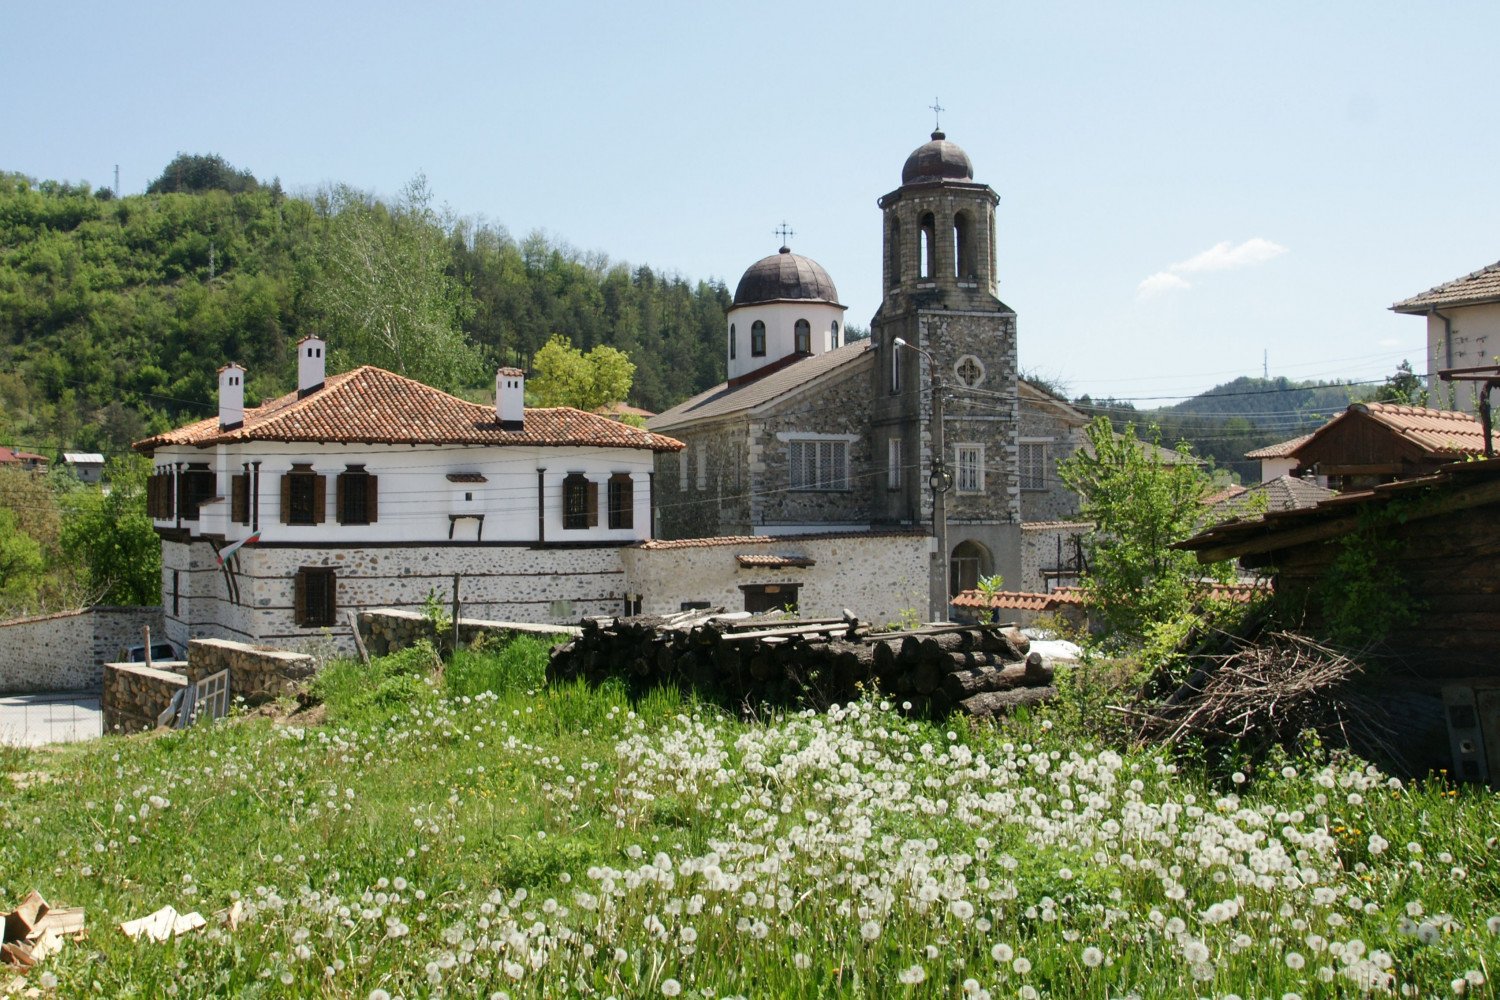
x,y
67,652
386,630
880,577
500,582
1046,425
1047,545
721,505
135,695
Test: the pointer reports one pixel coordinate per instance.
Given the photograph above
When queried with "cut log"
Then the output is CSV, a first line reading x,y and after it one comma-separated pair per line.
x,y
1020,640
926,675
993,703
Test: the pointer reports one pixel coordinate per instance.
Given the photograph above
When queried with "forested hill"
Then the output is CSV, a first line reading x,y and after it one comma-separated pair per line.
x,y
115,312
1248,413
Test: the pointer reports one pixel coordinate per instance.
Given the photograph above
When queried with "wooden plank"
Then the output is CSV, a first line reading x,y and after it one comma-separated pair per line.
x,y
839,630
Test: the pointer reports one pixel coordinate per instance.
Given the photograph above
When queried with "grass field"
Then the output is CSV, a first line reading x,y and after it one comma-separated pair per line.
x,y
480,833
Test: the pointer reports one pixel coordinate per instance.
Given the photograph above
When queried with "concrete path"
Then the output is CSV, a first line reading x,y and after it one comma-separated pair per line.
x,y
54,717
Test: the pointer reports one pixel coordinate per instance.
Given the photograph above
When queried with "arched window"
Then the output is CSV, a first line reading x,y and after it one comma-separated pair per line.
x,y
802,337
731,341
969,563
893,248
963,246
757,339
833,335
927,241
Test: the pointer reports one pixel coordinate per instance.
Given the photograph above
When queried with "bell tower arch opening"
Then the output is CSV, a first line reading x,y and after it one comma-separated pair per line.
x,y
965,267
927,246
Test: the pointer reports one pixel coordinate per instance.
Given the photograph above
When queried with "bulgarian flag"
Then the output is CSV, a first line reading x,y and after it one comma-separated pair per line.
x,y
234,547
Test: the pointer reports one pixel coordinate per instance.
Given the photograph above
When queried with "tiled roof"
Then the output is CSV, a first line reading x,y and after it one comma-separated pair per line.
x,y
1479,286
1282,449
752,560
373,406
741,540
1281,493
16,455
1439,431
1017,600
1057,525
1228,493
724,399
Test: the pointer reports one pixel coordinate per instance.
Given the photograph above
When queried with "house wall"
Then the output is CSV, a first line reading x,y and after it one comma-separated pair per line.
x,y
880,577
1476,341
523,583
781,321
1042,424
1047,545
415,499
1275,468
719,480
67,652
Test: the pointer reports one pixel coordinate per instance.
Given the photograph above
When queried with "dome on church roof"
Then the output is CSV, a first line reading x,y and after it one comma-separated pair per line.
x,y
937,160
785,275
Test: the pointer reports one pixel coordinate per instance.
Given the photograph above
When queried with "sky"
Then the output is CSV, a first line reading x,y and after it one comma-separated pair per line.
x,y
1189,191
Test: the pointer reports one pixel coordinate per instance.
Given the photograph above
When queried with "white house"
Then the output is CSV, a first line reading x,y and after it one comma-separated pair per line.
x,y
1463,331
368,489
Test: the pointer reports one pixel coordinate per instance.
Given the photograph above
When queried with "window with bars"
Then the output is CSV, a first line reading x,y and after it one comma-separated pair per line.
x,y
1033,469
970,468
893,464
580,502
304,496
818,465
621,501
315,591
357,496
195,486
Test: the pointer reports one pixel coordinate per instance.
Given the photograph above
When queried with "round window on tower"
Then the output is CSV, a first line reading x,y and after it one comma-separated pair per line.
x,y
969,371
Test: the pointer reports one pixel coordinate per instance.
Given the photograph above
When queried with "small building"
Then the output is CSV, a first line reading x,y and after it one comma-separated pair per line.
x,y
1463,331
367,489
26,461
1279,459
88,466
1372,443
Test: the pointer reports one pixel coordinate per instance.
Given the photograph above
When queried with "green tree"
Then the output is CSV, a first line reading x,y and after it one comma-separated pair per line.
x,y
1139,505
1403,386
192,174
110,535
21,566
384,293
565,376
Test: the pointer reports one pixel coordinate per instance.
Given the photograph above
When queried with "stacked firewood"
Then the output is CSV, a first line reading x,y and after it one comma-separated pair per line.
x,y
982,670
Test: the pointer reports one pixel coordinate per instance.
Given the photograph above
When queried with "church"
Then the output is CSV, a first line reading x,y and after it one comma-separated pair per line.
x,y
925,425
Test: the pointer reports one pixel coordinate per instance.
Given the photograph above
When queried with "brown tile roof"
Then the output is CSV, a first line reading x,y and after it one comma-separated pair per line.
x,y
1228,493
1282,449
1476,287
1018,600
370,405
741,540
8,455
1438,431
752,560
724,399
1281,493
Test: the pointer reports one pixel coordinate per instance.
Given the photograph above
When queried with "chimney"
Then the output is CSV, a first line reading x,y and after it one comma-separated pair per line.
x,y
510,396
309,365
231,397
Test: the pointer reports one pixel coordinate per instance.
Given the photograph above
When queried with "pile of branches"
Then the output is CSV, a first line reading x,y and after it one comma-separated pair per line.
x,y
1269,692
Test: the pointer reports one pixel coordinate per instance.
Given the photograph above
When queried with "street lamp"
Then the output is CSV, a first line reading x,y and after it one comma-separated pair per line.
x,y
939,480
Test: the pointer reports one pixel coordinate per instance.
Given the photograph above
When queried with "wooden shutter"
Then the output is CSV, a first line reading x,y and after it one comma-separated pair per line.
x,y
320,499
338,497
330,584
593,504
239,498
286,498
299,597
370,495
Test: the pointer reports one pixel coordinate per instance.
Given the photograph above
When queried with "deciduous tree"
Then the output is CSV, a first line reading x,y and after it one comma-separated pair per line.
x,y
565,376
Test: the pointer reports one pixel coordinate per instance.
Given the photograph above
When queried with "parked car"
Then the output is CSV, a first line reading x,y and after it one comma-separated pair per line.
x,y
159,651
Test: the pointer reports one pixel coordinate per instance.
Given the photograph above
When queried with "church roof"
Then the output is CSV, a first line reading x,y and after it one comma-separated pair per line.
x,y
724,399
936,161
370,405
785,275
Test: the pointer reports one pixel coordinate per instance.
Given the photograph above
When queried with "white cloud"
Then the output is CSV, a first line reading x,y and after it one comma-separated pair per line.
x,y
1223,256
1160,283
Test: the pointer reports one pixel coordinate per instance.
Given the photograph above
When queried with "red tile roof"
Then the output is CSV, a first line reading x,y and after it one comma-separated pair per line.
x,y
1439,431
1018,600
372,406
752,560
8,455
1282,449
1474,288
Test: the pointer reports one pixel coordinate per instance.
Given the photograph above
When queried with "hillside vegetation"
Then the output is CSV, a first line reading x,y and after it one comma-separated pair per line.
x,y
487,834
114,312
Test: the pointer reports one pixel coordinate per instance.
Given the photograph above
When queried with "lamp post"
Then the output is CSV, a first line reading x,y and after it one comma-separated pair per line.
x,y
939,480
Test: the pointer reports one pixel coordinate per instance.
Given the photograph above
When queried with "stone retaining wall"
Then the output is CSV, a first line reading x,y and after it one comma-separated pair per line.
x,y
67,651
134,694
385,630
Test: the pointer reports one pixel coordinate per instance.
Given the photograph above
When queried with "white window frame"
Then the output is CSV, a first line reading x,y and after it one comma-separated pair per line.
x,y
1040,484
968,476
830,461
893,464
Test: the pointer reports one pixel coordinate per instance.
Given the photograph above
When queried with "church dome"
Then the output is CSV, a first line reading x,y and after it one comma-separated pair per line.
x,y
785,275
936,161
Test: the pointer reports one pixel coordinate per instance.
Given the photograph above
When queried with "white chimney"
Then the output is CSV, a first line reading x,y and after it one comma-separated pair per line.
x,y
310,364
231,397
510,398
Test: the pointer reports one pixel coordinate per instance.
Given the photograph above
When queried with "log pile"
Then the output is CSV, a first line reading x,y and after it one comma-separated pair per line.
x,y
981,670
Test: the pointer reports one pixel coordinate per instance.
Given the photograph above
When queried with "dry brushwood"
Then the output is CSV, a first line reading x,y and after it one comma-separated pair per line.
x,y
1269,692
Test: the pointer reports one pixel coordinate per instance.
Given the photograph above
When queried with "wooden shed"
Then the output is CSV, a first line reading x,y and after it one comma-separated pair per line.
x,y
1371,443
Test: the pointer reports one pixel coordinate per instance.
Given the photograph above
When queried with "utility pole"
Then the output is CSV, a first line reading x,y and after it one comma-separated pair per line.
x,y
117,180
938,479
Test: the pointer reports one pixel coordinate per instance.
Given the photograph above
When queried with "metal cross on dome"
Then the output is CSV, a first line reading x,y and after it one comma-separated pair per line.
x,y
785,233
937,110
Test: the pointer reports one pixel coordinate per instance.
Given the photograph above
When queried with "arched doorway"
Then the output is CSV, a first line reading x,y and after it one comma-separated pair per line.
x,y
967,565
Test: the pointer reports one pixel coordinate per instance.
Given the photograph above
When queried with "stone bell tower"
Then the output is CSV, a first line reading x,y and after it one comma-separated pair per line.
x,y
941,299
